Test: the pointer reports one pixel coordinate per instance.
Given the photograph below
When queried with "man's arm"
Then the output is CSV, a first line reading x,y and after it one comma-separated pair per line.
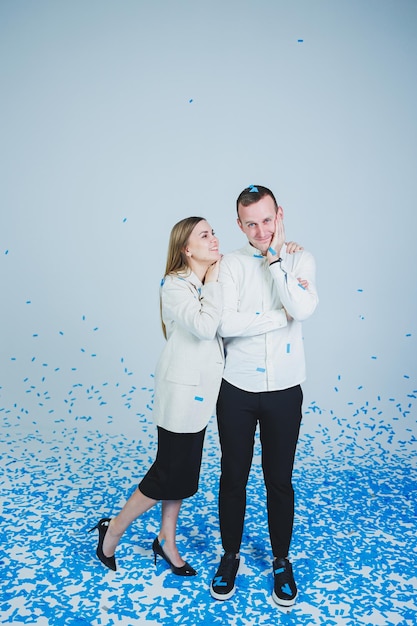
x,y
235,323
295,280
295,275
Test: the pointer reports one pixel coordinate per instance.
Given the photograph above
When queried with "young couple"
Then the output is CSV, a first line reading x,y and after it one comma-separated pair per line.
x,y
234,337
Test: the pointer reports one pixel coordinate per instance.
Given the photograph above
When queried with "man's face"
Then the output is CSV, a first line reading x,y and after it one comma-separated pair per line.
x,y
258,222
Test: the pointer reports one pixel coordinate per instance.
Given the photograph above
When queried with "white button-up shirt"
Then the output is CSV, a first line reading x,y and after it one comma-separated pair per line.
x,y
264,350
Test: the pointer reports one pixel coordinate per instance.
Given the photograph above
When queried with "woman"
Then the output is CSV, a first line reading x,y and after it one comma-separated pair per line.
x,y
187,381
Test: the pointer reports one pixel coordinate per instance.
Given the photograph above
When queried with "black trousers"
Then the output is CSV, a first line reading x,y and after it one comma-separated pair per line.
x,y
279,417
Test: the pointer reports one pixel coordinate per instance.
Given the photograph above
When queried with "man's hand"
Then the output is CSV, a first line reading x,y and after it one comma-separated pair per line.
x,y
278,239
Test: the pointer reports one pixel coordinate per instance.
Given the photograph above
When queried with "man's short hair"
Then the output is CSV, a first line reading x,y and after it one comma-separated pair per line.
x,y
253,194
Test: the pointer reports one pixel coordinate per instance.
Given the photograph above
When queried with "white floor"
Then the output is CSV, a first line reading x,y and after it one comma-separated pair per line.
x,y
354,546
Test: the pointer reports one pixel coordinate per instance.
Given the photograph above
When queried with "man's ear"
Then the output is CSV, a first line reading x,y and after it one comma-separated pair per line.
x,y
280,212
239,223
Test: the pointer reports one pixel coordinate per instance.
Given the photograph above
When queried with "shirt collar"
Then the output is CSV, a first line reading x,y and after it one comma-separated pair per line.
x,y
250,250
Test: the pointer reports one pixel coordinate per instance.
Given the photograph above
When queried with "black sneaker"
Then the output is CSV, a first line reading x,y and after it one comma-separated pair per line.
x,y
223,584
285,589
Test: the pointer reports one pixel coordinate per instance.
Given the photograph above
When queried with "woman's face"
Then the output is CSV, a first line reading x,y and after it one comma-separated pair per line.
x,y
203,245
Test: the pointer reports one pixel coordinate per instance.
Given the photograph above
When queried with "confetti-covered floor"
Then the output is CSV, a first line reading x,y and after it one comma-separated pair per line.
x,y
354,545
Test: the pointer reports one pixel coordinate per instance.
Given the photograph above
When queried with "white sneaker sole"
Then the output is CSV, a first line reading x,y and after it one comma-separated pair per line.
x,y
222,596
282,602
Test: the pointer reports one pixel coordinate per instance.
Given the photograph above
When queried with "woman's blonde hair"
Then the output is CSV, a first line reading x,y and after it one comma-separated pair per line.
x,y
177,262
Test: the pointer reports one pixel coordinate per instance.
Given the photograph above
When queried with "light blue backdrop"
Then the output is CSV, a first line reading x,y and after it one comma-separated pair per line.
x,y
119,118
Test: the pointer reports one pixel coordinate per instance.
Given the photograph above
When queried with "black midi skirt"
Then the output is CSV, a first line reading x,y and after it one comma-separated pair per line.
x,y
176,471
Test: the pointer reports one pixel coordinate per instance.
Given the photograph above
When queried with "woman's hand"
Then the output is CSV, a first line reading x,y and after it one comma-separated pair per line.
x,y
212,274
293,246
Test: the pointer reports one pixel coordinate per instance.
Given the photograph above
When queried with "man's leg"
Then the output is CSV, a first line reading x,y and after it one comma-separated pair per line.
x,y
236,416
237,424
280,423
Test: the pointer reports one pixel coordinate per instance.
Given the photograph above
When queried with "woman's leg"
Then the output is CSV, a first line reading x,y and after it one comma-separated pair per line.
x,y
162,477
137,504
167,533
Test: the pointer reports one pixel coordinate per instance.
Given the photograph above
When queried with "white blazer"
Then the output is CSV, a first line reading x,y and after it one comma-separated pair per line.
x,y
190,369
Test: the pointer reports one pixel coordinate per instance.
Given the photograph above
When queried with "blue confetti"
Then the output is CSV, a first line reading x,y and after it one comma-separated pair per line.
x,y
365,452
378,536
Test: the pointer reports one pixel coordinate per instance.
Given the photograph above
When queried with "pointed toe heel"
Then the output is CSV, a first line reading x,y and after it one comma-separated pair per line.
x,y
102,527
184,570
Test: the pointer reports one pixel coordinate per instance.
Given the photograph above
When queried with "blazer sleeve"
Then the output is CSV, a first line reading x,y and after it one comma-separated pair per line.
x,y
196,311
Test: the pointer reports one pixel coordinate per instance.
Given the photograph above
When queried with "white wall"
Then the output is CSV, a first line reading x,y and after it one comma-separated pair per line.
x,y
119,118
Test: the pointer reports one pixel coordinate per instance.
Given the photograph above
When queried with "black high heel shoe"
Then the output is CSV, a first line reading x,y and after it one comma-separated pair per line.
x,y
184,570
102,526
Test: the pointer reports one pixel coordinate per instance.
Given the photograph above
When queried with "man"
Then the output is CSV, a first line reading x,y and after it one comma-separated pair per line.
x,y
268,289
